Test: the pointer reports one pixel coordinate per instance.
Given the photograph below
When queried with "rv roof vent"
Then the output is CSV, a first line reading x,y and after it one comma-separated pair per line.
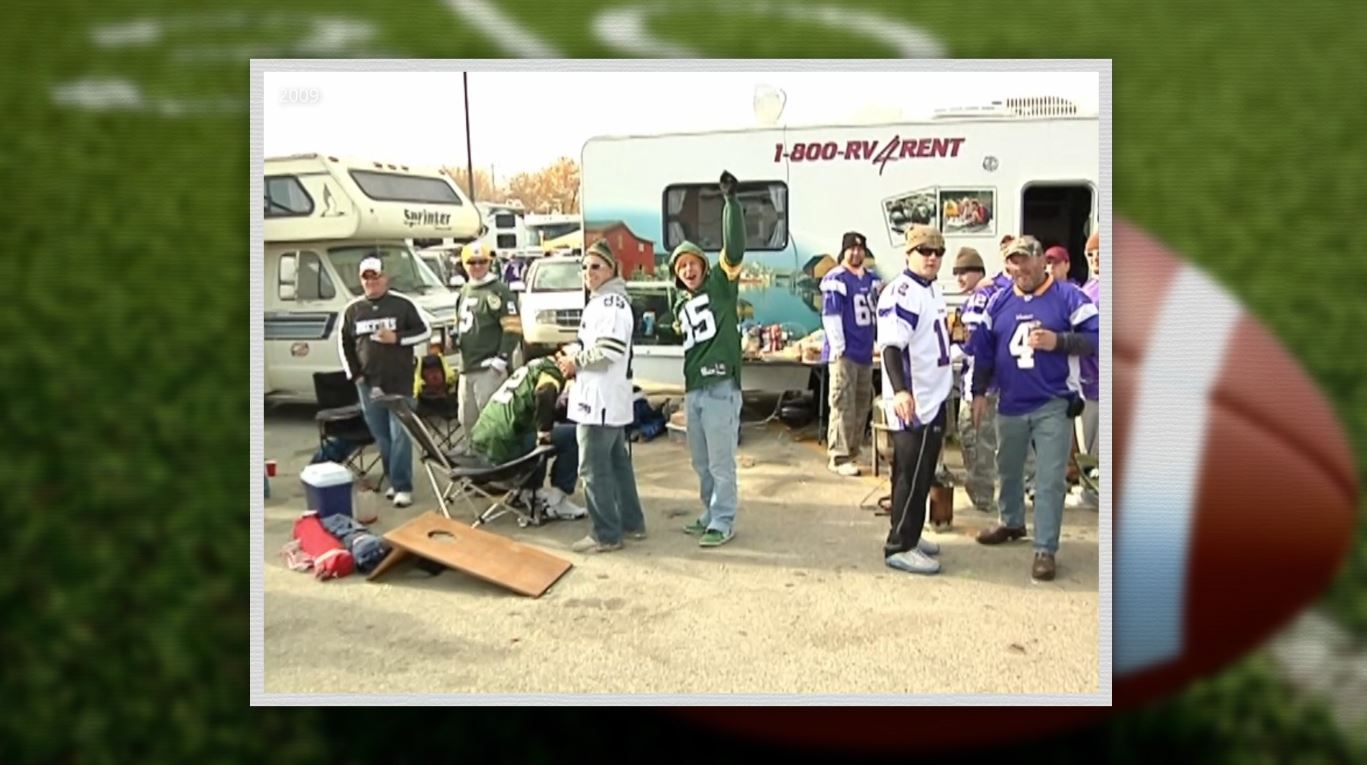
x,y
1042,106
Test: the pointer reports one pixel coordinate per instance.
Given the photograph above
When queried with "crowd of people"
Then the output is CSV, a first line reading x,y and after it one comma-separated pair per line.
x,y
1028,355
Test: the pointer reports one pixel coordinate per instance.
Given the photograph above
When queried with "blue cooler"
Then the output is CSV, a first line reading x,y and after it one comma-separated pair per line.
x,y
327,488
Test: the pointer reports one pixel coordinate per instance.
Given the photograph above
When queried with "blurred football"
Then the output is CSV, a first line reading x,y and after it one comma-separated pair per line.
x,y
1234,506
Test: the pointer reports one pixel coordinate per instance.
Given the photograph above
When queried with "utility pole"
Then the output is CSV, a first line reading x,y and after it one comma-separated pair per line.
x,y
469,158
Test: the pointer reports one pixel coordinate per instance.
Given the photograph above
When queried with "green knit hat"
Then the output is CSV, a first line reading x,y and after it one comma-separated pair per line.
x,y
601,249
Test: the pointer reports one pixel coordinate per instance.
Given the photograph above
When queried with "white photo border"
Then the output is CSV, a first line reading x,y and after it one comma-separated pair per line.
x,y
259,68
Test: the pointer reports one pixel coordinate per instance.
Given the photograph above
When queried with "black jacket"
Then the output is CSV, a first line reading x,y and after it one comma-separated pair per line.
x,y
386,366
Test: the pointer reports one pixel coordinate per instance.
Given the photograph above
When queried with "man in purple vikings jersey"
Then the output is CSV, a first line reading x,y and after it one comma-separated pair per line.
x,y
849,295
1030,343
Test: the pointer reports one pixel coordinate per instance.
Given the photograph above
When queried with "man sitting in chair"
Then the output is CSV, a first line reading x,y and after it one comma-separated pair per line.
x,y
520,415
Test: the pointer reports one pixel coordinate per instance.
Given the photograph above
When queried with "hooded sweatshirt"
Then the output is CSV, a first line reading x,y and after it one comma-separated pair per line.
x,y
708,318
601,393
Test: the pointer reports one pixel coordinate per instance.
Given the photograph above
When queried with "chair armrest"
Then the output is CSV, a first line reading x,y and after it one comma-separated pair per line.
x,y
338,413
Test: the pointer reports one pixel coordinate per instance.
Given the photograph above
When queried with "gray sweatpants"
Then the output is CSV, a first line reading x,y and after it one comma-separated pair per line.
x,y
475,389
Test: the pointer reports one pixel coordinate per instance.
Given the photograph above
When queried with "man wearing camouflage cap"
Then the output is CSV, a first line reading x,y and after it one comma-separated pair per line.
x,y
1027,342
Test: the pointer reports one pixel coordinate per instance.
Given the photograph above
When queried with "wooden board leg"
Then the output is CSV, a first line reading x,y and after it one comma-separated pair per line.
x,y
395,556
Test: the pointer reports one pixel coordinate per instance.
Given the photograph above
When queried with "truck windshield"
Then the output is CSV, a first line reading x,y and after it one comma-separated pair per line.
x,y
406,273
551,276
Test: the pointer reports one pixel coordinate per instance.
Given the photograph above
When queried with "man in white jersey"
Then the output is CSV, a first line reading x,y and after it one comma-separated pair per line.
x,y
913,332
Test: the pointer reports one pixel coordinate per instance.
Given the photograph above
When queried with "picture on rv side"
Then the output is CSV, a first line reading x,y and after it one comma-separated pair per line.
x,y
910,209
968,211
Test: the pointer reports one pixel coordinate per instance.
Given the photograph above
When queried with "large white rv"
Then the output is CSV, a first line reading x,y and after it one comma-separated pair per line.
x,y
322,215
976,174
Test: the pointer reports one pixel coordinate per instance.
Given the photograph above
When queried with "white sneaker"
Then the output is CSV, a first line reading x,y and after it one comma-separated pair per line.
x,y
552,495
590,545
847,469
913,562
567,510
389,493
403,498
927,546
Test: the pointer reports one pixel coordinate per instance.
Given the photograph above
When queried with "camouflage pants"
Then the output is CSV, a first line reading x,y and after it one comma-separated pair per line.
x,y
980,454
850,398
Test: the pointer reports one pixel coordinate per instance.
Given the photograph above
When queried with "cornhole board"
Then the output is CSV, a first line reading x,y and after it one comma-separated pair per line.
x,y
495,559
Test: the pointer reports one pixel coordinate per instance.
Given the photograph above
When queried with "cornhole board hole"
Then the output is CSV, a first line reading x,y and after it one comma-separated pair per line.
x,y
495,559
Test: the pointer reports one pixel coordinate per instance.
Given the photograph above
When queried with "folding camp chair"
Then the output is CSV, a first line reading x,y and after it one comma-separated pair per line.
x,y
465,476
339,416
439,406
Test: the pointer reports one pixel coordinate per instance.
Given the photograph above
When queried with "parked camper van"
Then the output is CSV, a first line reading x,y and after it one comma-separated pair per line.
x,y
543,228
977,174
507,228
322,216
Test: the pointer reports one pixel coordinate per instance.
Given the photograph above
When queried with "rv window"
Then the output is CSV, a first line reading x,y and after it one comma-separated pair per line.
x,y
393,187
285,197
507,241
505,220
287,273
693,212
313,282
405,275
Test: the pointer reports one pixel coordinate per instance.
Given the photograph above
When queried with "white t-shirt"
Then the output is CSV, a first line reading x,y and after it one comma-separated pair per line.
x,y
602,395
913,318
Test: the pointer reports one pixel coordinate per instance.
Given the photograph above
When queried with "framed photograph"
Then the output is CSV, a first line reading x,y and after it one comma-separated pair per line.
x,y
908,209
968,211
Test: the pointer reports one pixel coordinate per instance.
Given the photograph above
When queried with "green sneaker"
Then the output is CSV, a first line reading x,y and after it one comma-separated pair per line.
x,y
696,528
714,538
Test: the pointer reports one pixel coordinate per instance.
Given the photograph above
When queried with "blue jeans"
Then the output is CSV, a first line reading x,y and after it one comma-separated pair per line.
x,y
565,471
609,482
1051,431
396,450
713,435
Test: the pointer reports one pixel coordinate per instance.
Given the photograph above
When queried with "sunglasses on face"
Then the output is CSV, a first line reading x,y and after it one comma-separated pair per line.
x,y
370,276
593,266
477,262
938,252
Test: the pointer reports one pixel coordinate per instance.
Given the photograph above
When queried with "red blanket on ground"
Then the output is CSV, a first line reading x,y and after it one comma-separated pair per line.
x,y
314,548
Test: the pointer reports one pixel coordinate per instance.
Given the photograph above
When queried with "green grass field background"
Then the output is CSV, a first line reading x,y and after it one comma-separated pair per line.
x,y
1238,140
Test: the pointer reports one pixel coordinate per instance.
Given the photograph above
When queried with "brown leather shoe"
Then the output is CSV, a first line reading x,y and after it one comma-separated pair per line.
x,y
998,534
1043,570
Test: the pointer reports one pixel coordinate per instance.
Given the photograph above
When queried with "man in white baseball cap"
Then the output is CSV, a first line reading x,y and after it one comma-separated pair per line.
x,y
380,331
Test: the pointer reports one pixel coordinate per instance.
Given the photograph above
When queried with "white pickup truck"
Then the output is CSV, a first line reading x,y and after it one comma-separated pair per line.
x,y
552,303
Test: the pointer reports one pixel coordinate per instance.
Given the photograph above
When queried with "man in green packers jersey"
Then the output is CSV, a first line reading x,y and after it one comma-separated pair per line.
x,y
488,330
705,313
520,415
